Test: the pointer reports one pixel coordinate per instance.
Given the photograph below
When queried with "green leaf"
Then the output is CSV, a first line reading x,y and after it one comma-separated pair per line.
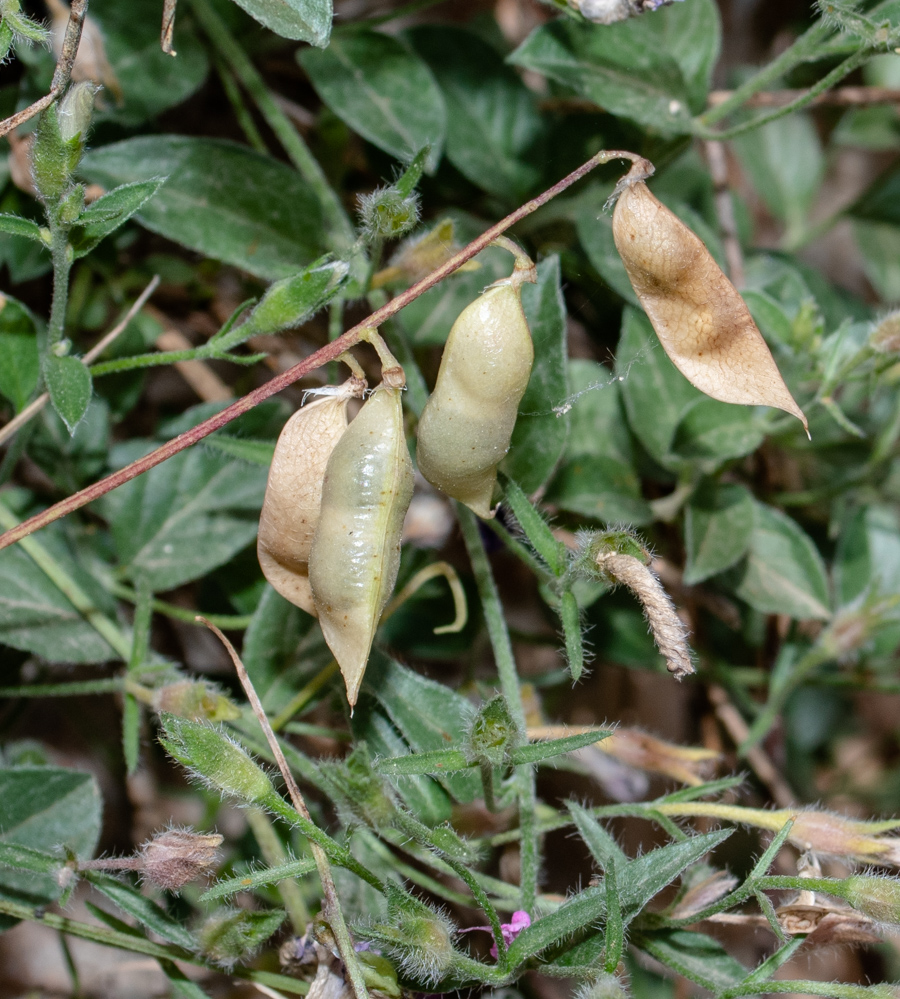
x,y
19,364
145,911
691,33
34,614
220,199
536,529
714,432
695,956
291,301
570,618
597,424
492,121
382,90
602,845
150,80
46,809
868,553
15,225
439,762
70,386
593,223
259,879
785,164
646,876
106,214
657,395
535,752
881,202
272,639
601,488
719,522
23,858
185,517
539,436
784,573
301,20
182,986
616,67
428,715
879,244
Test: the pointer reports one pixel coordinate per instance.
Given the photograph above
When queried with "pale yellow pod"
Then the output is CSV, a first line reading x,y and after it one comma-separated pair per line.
x,y
699,317
356,549
467,424
293,497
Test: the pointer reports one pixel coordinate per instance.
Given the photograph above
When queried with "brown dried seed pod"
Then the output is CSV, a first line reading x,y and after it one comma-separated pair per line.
x,y
294,491
699,317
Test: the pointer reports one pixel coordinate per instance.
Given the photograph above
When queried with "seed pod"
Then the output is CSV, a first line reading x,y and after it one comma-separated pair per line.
x,y
294,491
356,549
699,317
467,424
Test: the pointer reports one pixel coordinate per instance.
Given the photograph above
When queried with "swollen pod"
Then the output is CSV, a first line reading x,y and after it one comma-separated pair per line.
x,y
294,491
356,549
699,317
467,424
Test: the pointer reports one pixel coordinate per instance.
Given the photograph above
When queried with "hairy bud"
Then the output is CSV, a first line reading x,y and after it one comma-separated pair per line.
x,y
231,935
492,734
388,214
173,858
196,700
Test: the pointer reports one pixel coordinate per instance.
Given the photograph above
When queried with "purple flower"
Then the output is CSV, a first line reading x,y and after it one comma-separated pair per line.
x,y
519,921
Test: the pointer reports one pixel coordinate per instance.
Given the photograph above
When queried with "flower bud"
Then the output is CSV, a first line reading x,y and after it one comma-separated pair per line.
x,y
605,986
231,935
360,790
387,214
52,158
885,338
71,205
416,937
837,836
75,112
177,856
216,759
877,898
196,700
492,735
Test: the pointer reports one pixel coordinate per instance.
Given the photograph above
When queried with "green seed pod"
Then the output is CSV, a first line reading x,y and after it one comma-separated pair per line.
x,y
294,491
356,549
467,424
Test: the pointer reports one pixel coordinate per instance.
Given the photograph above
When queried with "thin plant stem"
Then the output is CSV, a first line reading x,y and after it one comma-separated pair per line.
x,y
228,622
331,904
329,352
118,641
137,944
303,696
62,266
339,227
509,684
826,83
77,688
244,118
797,53
63,72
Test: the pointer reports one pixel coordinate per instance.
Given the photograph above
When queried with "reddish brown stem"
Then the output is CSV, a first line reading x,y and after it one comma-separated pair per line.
x,y
327,353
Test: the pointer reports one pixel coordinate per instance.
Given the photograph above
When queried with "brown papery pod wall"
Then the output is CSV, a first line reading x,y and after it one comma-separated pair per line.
x,y
699,317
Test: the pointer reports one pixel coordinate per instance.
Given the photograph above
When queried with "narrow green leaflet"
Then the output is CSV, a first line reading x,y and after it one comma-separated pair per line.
x,y
696,956
15,225
492,121
34,614
542,426
382,90
145,911
719,523
438,762
24,858
583,909
301,20
46,809
785,164
615,67
106,214
602,845
784,573
19,365
220,199
70,387
536,529
259,879
428,715
713,432
656,394
185,517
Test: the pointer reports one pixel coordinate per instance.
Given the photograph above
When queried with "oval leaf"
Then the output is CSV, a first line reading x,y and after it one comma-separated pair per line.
x,y
69,384
302,20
